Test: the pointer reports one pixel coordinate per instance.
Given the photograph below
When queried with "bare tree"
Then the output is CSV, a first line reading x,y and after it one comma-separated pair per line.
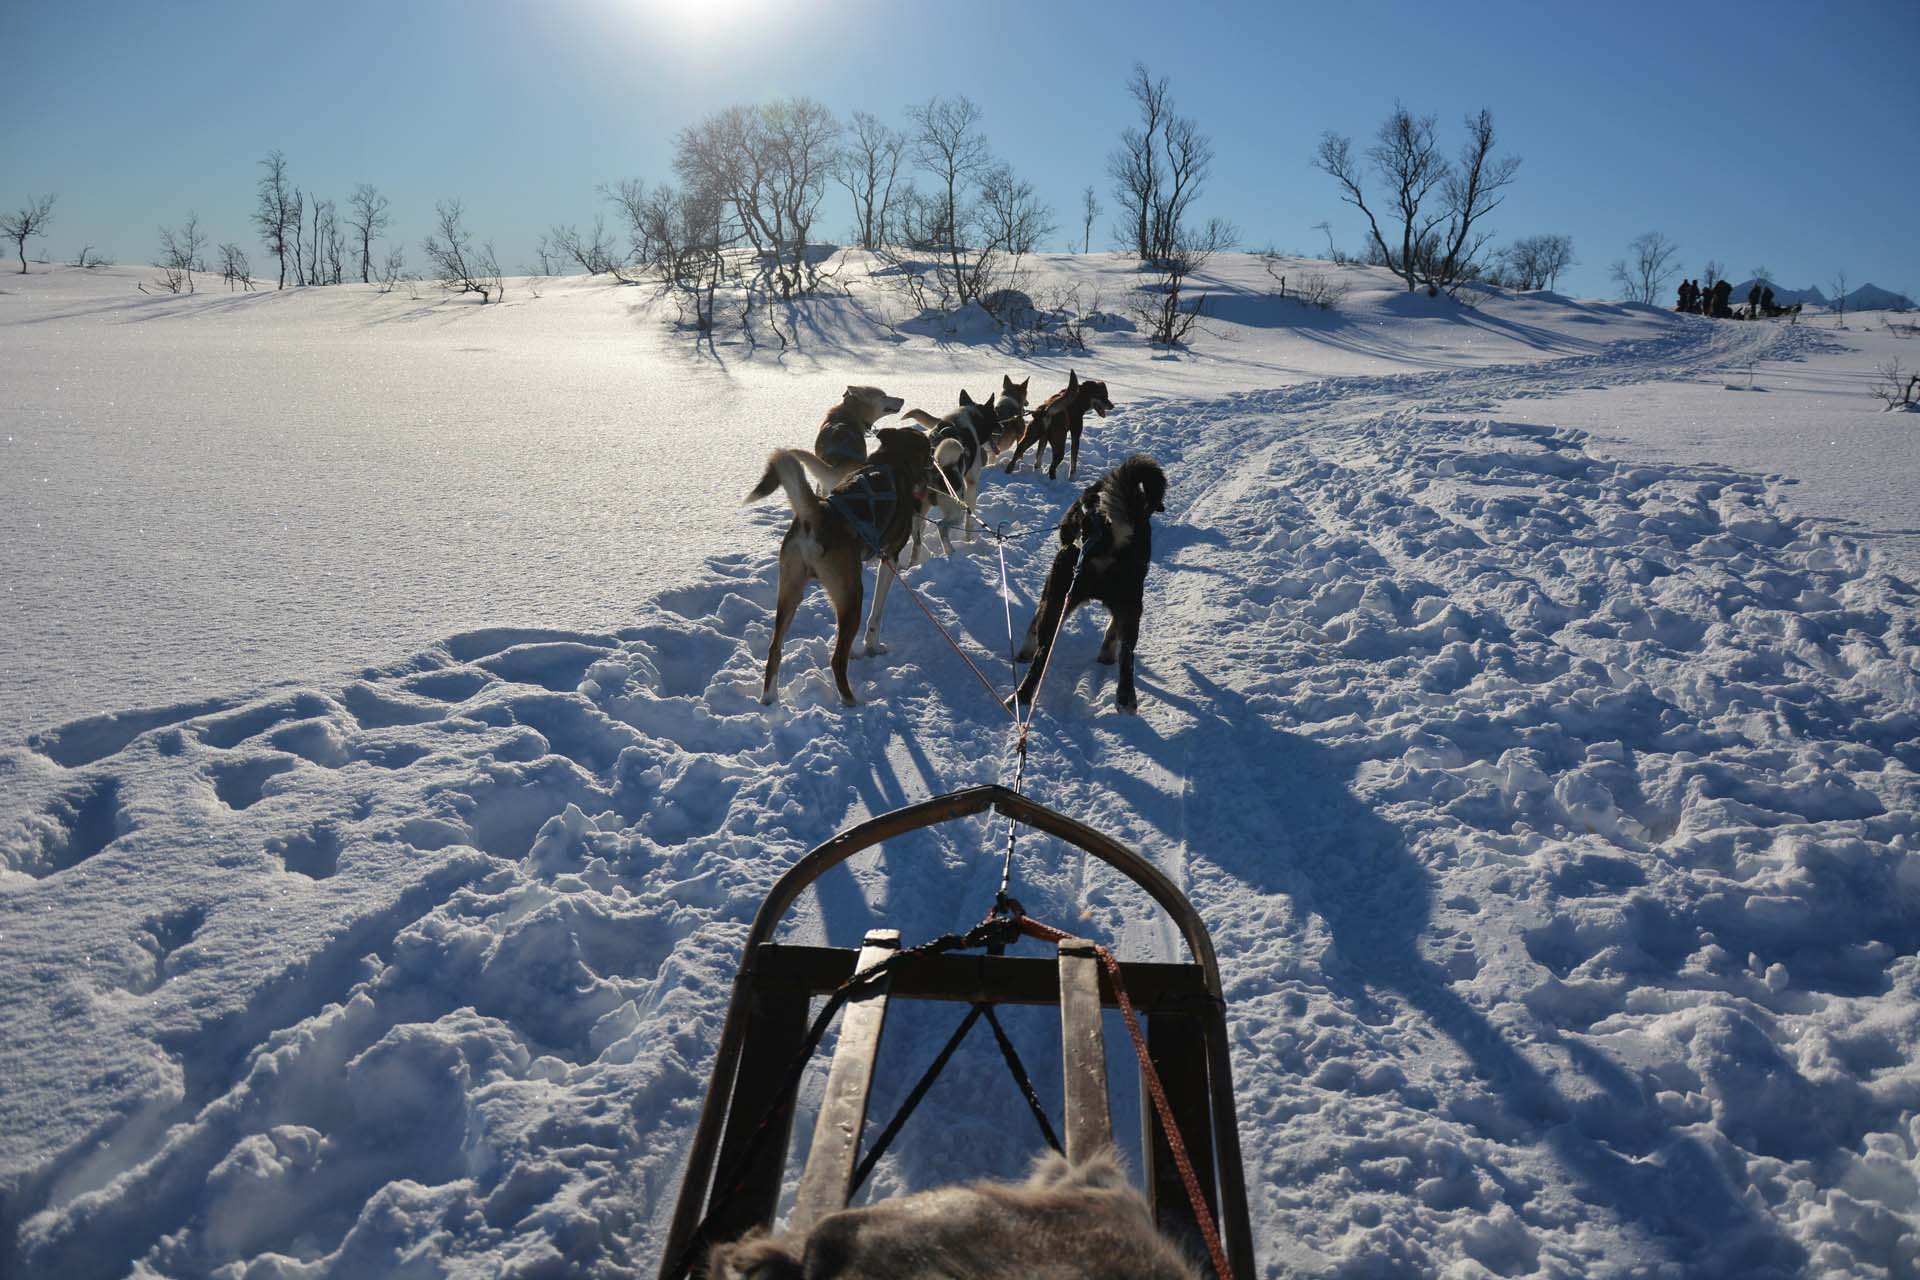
x,y
629,196
949,147
87,259
29,220
1713,272
688,233
868,167
1435,207
1839,299
1407,158
369,217
1135,165
1089,210
457,263
1471,191
391,269
1895,384
1013,219
276,212
1158,304
770,162
594,252
1644,277
180,254
1326,229
1533,262
1159,168
234,268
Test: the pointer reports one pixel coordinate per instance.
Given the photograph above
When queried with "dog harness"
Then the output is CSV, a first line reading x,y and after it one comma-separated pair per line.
x,y
969,449
846,442
866,500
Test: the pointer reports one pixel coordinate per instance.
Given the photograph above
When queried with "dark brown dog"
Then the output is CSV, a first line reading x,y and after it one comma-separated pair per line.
x,y
869,513
1106,544
1063,412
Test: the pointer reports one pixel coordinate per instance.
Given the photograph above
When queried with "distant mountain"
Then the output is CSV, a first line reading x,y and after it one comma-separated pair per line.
x,y
1873,298
1782,296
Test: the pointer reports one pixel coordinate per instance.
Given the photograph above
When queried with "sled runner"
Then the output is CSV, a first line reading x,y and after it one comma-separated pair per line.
x,y
735,1167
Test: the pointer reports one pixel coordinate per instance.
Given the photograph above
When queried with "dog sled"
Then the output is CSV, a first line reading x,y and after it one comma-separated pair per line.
x,y
1191,1146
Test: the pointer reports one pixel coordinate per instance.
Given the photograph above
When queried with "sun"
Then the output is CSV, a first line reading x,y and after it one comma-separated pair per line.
x,y
705,24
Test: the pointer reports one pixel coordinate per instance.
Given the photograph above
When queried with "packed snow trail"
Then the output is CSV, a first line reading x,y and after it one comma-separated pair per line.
x,y
1555,820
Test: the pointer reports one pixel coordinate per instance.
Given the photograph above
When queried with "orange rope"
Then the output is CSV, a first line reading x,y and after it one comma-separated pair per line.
x,y
1047,933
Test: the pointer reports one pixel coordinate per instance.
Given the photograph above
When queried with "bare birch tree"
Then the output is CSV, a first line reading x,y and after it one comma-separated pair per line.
x,y
1159,169
180,254
458,264
868,167
1643,277
276,213
369,216
1434,207
1089,210
29,220
949,147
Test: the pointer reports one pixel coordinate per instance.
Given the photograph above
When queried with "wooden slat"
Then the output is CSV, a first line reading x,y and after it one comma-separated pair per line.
x,y
776,1032
969,979
1177,1043
824,1183
1083,1051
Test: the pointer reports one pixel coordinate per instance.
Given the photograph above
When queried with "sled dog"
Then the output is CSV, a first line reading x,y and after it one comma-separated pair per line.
x,y
1061,414
867,513
1106,542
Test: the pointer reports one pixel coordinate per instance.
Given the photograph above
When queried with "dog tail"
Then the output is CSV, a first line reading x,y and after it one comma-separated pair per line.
x,y
948,454
786,469
922,417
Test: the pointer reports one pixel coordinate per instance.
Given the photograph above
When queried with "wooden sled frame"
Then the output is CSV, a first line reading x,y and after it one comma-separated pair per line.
x,y
1184,1010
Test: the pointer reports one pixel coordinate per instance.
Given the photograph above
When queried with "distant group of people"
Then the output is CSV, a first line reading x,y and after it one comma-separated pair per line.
x,y
1711,301
1717,301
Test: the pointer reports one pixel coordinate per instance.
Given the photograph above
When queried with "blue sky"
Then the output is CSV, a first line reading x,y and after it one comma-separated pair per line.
x,y
1756,133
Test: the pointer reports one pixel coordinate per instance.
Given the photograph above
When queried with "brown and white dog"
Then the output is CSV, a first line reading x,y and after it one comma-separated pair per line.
x,y
842,440
964,442
869,513
1060,414
1064,1220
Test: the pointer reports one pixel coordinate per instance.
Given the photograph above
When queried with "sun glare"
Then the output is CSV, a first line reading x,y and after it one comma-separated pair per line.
x,y
706,25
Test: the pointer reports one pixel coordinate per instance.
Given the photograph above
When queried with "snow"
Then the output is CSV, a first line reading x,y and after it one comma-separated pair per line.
x,y
1533,720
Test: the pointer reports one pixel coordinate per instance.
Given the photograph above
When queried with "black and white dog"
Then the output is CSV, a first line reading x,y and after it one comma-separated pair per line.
x,y
1106,543
963,443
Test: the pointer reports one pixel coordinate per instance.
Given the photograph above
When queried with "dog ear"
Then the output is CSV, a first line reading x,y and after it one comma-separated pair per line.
x,y
1006,383
1022,388
965,399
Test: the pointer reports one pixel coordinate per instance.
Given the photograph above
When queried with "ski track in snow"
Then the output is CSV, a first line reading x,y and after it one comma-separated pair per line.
x,y
1554,819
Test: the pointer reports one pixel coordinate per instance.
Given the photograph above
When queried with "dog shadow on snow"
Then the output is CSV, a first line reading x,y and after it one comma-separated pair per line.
x,y
1272,810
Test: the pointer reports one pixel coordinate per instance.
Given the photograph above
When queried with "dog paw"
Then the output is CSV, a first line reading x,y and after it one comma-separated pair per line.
x,y
875,648
1107,659
1127,701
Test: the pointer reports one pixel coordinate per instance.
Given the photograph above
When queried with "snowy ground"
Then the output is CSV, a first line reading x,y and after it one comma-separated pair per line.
x,y
1552,800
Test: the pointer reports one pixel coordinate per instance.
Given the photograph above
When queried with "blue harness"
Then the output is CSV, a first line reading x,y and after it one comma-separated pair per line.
x,y
844,442
866,500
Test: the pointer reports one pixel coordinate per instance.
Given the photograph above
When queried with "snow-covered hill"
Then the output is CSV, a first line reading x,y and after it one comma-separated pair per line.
x,y
1550,793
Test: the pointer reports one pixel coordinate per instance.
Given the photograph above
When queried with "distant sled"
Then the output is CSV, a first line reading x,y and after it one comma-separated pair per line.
x,y
734,1171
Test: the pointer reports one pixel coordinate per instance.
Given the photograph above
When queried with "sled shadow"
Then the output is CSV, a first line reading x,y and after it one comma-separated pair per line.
x,y
1274,812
